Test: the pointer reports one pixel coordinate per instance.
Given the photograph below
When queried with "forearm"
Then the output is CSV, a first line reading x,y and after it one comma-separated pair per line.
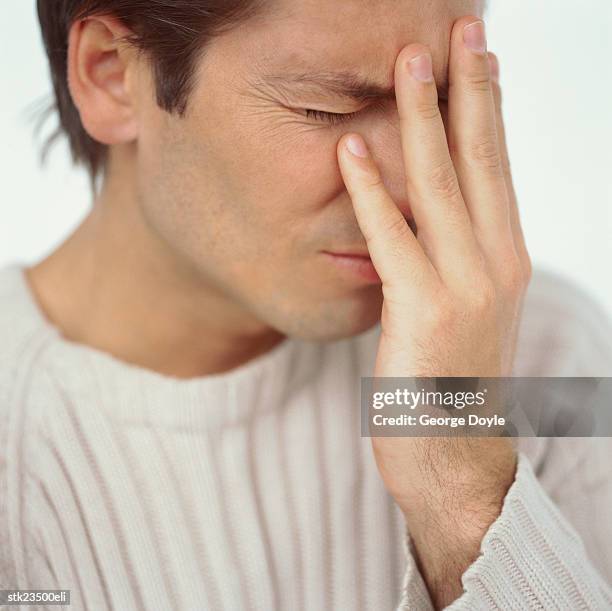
x,y
456,493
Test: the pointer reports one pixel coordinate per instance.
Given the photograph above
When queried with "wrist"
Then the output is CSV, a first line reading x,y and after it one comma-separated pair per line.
x,y
464,479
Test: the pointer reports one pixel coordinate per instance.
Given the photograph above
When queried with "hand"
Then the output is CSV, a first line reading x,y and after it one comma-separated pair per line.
x,y
452,295
453,292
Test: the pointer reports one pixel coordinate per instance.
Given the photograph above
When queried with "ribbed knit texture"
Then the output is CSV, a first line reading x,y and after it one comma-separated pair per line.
x,y
254,490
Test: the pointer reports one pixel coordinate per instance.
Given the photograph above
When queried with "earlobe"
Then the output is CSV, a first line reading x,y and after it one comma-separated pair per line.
x,y
100,79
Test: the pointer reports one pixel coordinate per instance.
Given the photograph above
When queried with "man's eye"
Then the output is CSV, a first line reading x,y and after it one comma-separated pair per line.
x,y
339,117
330,117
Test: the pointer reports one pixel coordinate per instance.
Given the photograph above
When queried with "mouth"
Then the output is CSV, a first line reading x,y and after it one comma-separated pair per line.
x,y
362,253
349,253
356,265
355,262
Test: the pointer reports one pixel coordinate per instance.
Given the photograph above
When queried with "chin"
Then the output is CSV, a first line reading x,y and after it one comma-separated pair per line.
x,y
334,319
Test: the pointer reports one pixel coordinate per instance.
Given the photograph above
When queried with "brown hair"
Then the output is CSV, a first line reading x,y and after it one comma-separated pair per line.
x,y
172,33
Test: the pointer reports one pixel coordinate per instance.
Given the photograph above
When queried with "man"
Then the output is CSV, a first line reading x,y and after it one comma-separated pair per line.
x,y
181,376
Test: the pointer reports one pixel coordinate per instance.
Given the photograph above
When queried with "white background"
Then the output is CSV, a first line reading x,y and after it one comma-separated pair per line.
x,y
555,62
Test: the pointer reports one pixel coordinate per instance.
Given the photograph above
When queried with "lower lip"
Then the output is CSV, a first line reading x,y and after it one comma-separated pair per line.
x,y
359,267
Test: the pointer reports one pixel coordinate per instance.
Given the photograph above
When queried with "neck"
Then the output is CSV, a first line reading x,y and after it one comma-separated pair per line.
x,y
116,286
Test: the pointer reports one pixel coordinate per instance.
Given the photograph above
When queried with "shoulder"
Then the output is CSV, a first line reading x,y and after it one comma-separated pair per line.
x,y
24,340
563,332
24,333
27,341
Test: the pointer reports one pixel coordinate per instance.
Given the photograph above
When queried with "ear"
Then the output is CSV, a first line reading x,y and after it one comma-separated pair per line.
x,y
102,77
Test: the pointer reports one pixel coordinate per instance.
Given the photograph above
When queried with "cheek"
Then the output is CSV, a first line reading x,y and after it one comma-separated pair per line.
x,y
179,193
311,173
285,177
214,182
310,169
267,160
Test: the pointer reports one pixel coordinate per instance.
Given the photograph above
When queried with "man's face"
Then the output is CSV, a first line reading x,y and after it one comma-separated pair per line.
x,y
246,187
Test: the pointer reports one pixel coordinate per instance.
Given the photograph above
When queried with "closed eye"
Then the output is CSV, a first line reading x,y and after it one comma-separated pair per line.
x,y
335,117
330,117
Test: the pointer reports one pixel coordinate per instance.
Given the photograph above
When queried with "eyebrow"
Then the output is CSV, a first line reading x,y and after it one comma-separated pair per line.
x,y
343,84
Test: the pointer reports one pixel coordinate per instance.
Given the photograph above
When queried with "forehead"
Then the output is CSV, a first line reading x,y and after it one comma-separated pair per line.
x,y
360,37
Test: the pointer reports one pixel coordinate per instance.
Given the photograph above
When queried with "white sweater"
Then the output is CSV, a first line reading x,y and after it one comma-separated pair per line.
x,y
253,489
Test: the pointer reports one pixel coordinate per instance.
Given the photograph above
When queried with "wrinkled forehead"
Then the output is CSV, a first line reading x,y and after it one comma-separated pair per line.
x,y
360,37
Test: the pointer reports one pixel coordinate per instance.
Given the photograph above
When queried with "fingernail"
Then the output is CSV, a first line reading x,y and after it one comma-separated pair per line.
x,y
474,36
494,65
421,67
356,145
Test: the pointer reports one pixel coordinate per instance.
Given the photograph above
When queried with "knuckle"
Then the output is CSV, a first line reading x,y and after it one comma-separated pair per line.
x,y
507,168
484,298
487,297
443,180
372,181
369,233
486,154
478,82
427,111
512,276
395,227
440,316
498,97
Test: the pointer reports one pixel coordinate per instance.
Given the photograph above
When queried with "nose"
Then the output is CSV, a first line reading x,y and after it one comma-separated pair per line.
x,y
384,141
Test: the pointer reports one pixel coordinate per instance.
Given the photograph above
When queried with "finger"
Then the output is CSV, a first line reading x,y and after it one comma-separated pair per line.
x,y
395,252
473,140
432,186
515,223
